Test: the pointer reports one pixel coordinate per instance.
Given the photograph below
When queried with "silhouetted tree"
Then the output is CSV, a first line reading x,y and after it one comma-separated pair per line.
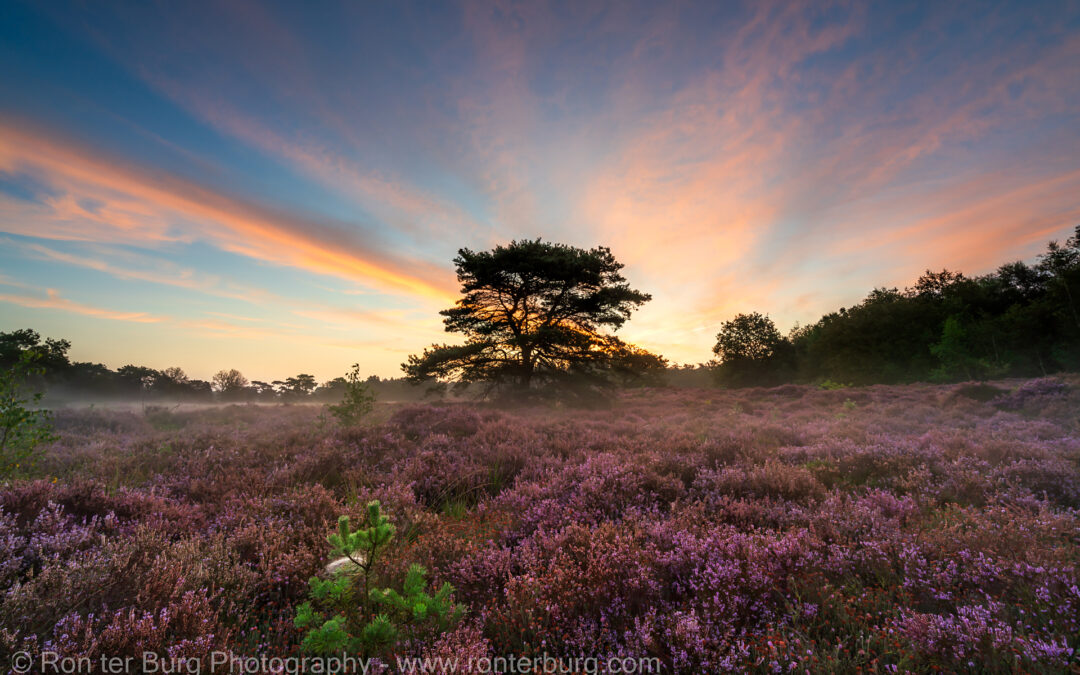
x,y
49,356
1022,320
175,374
936,284
750,350
747,337
92,377
1062,267
136,379
533,312
171,382
331,390
200,388
263,390
298,387
231,384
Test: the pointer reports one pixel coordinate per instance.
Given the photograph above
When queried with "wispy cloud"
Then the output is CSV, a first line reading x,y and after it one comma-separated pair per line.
x,y
129,266
393,201
51,299
140,204
750,179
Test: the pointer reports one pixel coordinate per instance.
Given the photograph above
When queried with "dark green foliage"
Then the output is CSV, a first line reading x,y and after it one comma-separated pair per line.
x,y
534,312
747,337
881,340
364,545
1021,320
752,351
358,400
346,613
957,355
414,606
137,378
22,427
49,356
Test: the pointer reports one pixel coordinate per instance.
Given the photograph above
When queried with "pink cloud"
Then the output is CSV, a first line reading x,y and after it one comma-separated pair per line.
x,y
52,300
140,204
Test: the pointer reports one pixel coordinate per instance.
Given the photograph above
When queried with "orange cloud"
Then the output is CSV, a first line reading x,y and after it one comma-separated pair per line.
x,y
140,204
987,218
52,300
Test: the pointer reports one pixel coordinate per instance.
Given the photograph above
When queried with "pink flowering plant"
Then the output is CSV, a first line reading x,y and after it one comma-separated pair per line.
x,y
924,528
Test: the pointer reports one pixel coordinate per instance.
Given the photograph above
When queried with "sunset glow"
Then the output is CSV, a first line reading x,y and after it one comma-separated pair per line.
x,y
246,185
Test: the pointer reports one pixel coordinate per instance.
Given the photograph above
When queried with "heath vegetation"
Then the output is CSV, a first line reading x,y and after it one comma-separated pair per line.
x,y
797,528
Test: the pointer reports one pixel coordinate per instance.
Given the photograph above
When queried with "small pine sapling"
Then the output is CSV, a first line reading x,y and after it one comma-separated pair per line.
x,y
414,608
357,618
358,401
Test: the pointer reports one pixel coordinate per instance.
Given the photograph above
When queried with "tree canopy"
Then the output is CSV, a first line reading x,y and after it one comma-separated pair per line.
x,y
230,383
751,337
48,355
536,312
750,349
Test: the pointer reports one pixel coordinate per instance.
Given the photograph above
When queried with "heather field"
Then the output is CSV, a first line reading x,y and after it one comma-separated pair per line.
x,y
879,529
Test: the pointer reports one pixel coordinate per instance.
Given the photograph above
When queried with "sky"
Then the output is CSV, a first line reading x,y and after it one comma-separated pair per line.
x,y
281,187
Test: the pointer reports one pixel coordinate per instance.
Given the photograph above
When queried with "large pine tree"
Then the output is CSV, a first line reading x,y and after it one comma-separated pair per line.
x,y
535,312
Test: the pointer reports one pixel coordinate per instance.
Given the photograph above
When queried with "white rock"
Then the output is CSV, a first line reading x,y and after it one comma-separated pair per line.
x,y
342,564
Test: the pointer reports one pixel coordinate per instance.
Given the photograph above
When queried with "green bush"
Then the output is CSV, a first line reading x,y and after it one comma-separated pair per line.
x,y
22,428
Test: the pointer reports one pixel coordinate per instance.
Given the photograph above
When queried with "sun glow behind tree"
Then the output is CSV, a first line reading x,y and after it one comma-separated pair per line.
x,y
535,313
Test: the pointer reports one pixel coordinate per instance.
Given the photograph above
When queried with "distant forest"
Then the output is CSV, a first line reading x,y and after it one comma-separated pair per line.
x,y
1021,320
66,379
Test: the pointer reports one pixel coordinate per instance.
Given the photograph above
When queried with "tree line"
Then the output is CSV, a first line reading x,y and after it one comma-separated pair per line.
x,y
539,318
56,372
1020,320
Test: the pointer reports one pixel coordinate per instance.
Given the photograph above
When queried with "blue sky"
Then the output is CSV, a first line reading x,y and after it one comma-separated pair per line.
x,y
280,187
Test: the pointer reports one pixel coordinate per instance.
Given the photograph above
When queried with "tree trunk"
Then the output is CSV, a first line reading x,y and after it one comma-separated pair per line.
x,y
1072,303
526,369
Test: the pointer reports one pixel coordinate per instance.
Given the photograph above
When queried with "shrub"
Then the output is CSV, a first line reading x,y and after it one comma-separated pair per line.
x,y
22,428
771,480
359,400
666,526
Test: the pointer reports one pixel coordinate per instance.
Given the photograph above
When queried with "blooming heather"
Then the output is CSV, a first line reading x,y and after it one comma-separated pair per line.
x,y
887,528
